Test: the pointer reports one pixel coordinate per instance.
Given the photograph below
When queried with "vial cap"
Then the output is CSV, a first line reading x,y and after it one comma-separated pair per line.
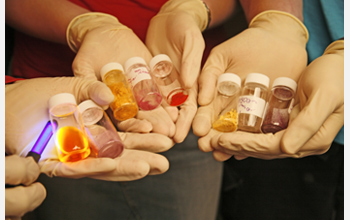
x,y
90,112
134,60
110,66
258,78
285,81
158,58
230,77
62,98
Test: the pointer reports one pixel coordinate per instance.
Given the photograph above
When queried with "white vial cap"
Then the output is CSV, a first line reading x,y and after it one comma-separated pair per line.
x,y
158,58
62,98
285,81
229,77
110,66
91,112
258,78
134,60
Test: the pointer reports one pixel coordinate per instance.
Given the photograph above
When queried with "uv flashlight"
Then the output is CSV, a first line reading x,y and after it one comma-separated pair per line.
x,y
42,141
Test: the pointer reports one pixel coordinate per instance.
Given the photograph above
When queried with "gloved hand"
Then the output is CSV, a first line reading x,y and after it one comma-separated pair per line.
x,y
274,45
310,131
27,113
25,198
177,31
100,38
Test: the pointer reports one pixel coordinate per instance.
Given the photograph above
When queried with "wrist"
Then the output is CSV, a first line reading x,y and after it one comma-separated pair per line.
x,y
198,9
82,24
283,23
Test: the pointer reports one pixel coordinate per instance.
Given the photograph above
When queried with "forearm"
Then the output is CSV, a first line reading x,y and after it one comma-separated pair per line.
x,y
45,19
220,10
253,7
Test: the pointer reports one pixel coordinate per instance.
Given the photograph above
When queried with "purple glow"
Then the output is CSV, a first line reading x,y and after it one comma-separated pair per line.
x,y
43,139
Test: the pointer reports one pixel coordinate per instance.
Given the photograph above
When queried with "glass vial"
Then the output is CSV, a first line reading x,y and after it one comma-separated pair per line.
x,y
105,138
228,91
251,103
144,88
167,79
279,105
70,137
124,105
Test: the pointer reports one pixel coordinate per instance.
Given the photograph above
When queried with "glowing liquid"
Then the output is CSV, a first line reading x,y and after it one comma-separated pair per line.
x,y
72,143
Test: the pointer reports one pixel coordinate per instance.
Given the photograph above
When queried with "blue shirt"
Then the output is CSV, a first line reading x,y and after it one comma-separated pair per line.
x,y
324,20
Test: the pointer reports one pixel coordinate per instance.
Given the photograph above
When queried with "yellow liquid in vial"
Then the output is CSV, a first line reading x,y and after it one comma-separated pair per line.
x,y
73,144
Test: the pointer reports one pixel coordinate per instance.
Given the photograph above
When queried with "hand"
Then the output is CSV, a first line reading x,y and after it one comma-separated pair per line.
x,y
321,96
100,38
22,199
274,44
27,117
310,131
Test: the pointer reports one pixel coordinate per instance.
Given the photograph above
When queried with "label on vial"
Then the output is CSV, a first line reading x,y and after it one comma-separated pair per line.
x,y
251,105
137,75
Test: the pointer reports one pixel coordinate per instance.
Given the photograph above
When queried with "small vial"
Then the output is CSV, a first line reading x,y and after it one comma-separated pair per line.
x,y
251,103
124,105
144,88
279,105
167,79
228,90
105,138
70,137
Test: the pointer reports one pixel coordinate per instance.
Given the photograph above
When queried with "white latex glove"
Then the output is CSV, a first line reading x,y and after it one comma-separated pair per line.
x,y
26,197
100,38
177,31
274,45
310,131
26,118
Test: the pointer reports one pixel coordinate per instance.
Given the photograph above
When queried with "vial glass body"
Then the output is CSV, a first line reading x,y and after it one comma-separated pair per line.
x,y
251,105
104,137
278,109
225,103
70,136
124,105
144,88
167,79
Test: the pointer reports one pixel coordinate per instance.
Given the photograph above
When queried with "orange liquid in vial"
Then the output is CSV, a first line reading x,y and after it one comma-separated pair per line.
x,y
73,144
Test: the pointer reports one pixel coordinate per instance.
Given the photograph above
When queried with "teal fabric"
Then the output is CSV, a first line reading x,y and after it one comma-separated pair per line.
x,y
324,20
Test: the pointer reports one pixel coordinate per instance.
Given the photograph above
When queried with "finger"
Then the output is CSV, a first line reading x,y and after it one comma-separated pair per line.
x,y
78,169
202,122
204,143
240,157
220,156
19,170
20,200
100,93
191,59
212,69
152,142
135,125
307,123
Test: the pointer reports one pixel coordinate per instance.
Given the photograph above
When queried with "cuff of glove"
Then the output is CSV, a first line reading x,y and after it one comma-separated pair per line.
x,y
81,24
335,47
277,17
197,8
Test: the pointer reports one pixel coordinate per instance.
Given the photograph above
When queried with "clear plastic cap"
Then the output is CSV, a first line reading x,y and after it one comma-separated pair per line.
x,y
257,78
158,58
285,81
90,112
134,60
110,66
61,98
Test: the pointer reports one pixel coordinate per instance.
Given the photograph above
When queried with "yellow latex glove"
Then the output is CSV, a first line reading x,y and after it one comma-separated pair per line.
x,y
273,44
25,198
177,31
310,131
27,113
100,38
